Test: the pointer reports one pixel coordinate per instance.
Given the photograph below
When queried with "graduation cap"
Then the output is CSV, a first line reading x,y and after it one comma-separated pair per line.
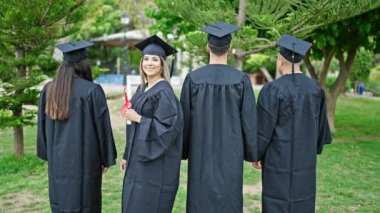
x,y
219,33
74,51
154,45
293,50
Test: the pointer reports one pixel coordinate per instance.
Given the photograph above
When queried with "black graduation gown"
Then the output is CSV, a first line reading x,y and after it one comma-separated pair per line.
x,y
219,133
77,149
292,129
153,152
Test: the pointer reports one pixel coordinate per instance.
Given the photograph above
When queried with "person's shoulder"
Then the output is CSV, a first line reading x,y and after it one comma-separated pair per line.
x,y
218,74
166,87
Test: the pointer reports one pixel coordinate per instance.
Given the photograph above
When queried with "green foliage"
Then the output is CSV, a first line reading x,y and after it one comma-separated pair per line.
x,y
373,84
167,23
330,81
359,31
374,87
375,74
257,61
103,18
96,71
267,20
362,66
28,33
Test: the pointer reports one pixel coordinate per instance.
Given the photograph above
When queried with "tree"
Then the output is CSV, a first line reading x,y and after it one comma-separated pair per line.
x,y
266,21
362,67
342,40
27,38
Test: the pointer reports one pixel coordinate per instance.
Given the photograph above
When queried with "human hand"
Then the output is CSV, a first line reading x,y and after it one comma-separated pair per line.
x,y
123,165
132,115
104,169
257,165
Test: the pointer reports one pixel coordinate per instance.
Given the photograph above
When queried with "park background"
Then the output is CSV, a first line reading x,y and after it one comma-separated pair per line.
x,y
344,59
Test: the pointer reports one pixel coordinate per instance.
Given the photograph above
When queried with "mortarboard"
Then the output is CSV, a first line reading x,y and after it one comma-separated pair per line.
x,y
219,33
293,47
154,45
293,50
74,51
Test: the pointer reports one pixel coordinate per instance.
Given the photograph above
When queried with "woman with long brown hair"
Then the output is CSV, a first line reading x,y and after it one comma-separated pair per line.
x,y
74,133
153,153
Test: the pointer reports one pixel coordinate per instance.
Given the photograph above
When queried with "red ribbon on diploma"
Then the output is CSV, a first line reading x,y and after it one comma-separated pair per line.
x,y
127,104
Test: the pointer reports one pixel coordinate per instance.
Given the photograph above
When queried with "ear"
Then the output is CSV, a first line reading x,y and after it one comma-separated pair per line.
x,y
208,48
282,62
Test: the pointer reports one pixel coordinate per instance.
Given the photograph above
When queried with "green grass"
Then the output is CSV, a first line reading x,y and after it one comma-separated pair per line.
x,y
348,178
358,119
348,171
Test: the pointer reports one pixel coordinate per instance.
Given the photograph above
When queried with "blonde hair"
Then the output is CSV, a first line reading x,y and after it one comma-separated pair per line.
x,y
165,74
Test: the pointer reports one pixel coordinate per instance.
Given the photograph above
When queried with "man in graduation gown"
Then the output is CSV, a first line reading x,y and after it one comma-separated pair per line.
x,y
292,129
79,148
219,128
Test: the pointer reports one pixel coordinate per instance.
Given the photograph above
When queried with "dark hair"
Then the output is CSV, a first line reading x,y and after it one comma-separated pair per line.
x,y
60,90
219,51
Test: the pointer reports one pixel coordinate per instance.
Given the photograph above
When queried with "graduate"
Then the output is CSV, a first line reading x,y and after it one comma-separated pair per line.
x,y
220,128
292,130
152,156
74,134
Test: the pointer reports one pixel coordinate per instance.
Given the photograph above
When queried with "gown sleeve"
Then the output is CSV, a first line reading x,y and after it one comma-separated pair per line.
x,y
267,112
186,107
324,135
156,133
129,129
41,136
102,124
248,119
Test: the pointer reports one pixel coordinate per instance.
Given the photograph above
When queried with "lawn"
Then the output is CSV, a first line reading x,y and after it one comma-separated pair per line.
x,y
348,170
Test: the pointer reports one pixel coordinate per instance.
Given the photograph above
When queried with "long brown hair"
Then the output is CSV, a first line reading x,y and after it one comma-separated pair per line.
x,y
60,90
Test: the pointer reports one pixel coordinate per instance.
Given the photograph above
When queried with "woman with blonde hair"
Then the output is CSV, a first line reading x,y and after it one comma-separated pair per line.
x,y
153,151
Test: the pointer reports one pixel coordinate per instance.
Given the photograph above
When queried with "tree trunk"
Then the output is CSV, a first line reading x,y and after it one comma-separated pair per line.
x,y
310,67
239,57
331,106
328,56
266,74
332,95
18,132
239,60
18,135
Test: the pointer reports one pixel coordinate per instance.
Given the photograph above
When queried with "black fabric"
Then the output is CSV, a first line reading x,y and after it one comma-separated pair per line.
x,y
219,33
74,51
219,133
219,42
291,45
77,149
153,151
291,56
292,129
154,45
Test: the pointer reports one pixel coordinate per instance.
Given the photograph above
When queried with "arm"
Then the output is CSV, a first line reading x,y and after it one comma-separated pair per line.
x,y
248,119
157,133
186,107
324,135
103,127
267,111
41,137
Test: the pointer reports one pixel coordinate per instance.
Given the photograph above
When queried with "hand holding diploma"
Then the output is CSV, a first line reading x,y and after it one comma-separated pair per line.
x,y
127,111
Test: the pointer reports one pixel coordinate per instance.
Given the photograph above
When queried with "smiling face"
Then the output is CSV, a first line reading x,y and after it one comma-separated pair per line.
x,y
151,65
